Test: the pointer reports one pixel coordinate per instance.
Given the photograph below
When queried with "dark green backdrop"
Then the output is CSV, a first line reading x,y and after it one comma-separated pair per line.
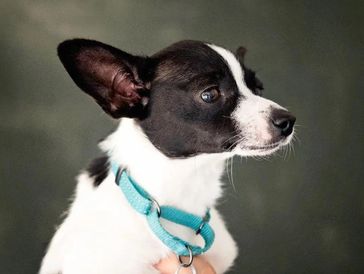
x,y
297,214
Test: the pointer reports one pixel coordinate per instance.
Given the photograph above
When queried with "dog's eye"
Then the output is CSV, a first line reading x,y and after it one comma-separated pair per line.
x,y
210,95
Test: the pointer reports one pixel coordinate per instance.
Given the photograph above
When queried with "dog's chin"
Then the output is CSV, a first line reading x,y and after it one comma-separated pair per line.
x,y
260,150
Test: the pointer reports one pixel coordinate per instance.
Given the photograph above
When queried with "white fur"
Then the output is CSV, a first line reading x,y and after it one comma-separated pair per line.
x,y
235,68
103,234
252,114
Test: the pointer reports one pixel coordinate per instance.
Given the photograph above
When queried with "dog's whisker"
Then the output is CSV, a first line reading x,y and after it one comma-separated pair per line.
x,y
231,173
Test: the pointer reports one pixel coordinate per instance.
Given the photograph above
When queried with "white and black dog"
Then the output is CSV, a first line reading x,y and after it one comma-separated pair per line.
x,y
183,112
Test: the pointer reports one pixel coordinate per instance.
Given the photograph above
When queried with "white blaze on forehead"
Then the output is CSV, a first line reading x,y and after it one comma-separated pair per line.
x,y
234,66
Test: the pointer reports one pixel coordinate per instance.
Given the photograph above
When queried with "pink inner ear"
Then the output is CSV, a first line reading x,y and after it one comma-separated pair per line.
x,y
109,75
107,71
124,89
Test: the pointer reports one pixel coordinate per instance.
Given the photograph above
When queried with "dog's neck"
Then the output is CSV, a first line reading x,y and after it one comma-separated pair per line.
x,y
191,184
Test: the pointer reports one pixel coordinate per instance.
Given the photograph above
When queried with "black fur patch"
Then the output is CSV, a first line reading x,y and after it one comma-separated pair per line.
x,y
98,169
252,82
179,123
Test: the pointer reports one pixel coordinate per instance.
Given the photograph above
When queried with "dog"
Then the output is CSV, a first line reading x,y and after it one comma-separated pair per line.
x,y
183,111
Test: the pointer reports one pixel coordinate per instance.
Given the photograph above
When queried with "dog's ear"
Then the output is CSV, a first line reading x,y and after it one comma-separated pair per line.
x,y
252,82
119,82
240,54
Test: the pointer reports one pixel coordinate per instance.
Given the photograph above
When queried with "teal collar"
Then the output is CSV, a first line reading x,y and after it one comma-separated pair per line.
x,y
143,203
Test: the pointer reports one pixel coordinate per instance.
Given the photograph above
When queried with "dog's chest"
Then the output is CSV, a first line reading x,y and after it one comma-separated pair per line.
x,y
102,234
104,229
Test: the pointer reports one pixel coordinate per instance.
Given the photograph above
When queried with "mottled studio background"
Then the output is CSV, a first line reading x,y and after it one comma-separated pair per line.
x,y
302,213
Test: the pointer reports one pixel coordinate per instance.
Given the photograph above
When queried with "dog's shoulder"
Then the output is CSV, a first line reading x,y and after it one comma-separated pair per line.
x,y
98,169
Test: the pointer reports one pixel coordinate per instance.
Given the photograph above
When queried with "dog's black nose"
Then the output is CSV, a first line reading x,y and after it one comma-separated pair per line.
x,y
283,121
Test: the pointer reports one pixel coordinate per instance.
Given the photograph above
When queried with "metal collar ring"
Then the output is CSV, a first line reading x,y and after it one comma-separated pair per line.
x,y
190,258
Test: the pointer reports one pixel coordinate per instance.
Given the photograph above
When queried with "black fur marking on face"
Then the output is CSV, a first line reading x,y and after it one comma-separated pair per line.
x,y
98,169
252,82
179,123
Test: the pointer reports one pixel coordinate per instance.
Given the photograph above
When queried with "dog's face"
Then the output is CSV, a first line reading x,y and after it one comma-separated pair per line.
x,y
190,98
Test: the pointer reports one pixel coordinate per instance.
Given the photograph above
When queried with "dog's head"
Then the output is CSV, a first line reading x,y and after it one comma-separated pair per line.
x,y
190,98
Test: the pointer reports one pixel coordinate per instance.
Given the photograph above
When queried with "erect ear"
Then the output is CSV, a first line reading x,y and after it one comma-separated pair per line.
x,y
119,82
240,54
252,82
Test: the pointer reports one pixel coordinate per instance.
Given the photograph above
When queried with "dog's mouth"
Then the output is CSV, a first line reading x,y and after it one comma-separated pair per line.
x,y
265,147
261,150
